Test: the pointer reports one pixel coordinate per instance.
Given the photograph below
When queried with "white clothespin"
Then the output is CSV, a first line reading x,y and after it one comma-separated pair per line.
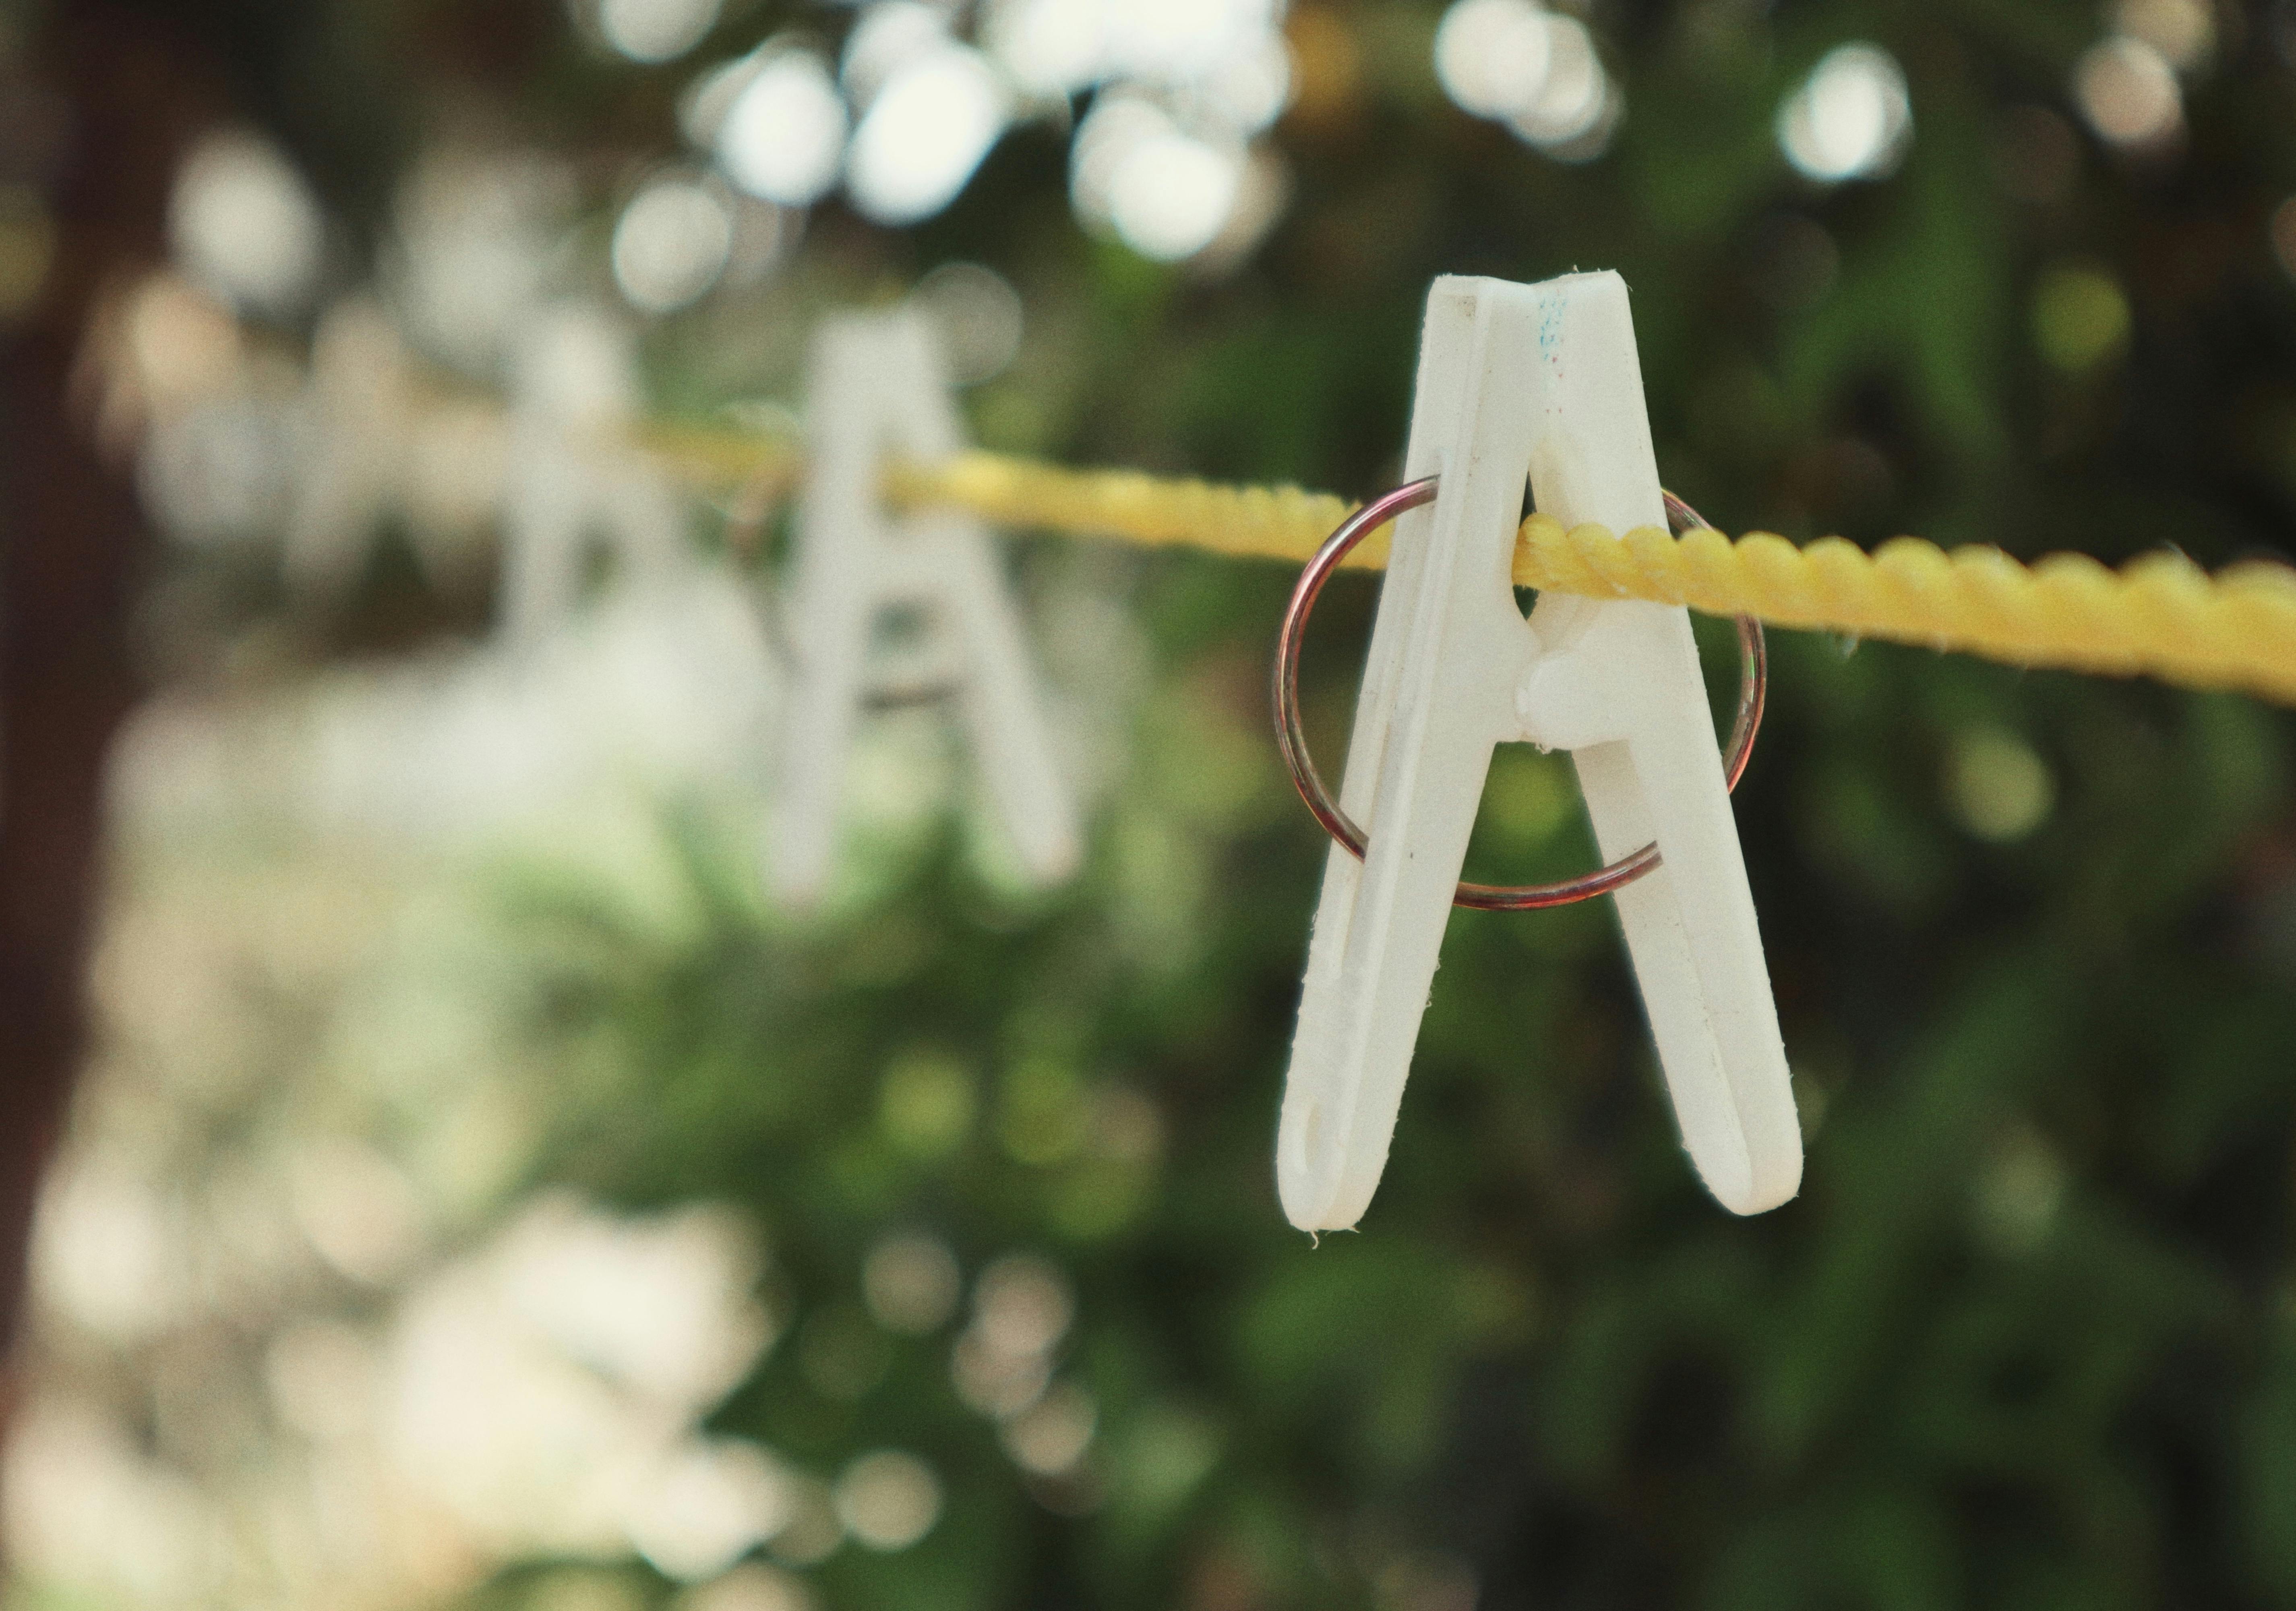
x,y
359,410
375,445
877,392
573,480
1537,382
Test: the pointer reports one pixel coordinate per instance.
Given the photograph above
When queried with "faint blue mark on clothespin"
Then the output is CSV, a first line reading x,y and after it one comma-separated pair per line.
x,y
1543,383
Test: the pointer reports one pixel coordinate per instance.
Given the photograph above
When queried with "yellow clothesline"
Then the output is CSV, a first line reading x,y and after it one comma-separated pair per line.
x,y
2159,615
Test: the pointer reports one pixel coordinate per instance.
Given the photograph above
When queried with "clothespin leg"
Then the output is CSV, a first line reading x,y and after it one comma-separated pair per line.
x,y
1003,712
1691,930
1446,649
1617,682
649,526
541,562
832,604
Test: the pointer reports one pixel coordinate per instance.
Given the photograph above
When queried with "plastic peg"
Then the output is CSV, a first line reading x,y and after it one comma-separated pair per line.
x,y
877,391
575,485
1540,384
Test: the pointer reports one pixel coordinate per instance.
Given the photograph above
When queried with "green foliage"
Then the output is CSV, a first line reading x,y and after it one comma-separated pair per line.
x,y
2025,1340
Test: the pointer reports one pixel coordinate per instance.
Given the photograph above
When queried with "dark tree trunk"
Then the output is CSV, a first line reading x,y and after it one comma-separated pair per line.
x,y
110,96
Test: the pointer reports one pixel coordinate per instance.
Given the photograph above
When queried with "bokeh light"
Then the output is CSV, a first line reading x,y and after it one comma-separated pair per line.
x,y
1249,87
221,475
1535,71
752,1586
997,1385
574,366
1050,48
1022,1305
1118,122
1171,194
1164,158
108,1253
655,30
1177,42
1491,55
706,1505
1577,105
888,1500
979,315
670,244
321,1375
2080,315
1165,193
245,225
1262,192
2183,31
1997,787
814,1532
2129,93
924,133
86,1506
1225,57
1050,1438
911,1283
925,1104
781,134
542,1389
1021,1309
889,36
1850,119
476,236
358,1209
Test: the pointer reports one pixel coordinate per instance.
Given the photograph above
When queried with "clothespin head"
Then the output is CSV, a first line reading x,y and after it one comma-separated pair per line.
x,y
573,481
1539,383
877,391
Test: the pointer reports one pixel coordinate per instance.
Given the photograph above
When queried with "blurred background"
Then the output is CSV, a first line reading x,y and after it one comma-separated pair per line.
x,y
434,1174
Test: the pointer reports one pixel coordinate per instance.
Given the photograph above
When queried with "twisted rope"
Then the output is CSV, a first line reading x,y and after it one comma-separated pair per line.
x,y
2159,615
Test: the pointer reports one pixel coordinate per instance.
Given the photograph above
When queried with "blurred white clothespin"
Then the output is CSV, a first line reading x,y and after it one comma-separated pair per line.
x,y
574,480
1539,382
357,413
374,447
877,391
